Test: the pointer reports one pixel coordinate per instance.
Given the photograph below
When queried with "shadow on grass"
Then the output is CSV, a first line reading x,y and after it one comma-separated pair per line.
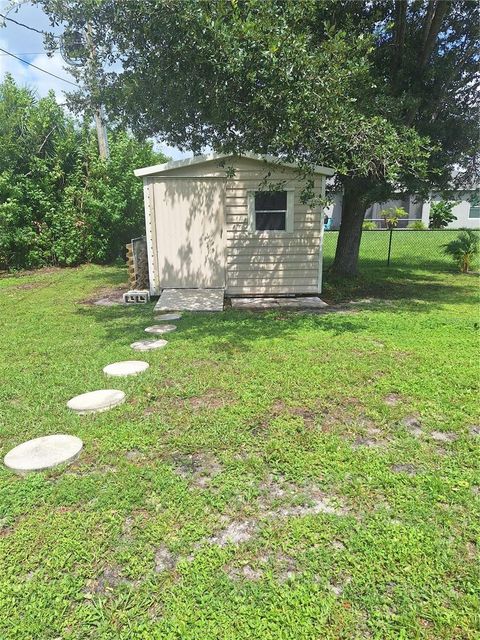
x,y
231,330
401,283
235,330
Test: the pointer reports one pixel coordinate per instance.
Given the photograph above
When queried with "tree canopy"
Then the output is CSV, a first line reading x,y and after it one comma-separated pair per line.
x,y
385,92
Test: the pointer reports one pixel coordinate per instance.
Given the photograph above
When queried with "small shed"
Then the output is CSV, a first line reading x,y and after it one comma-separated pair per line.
x,y
213,222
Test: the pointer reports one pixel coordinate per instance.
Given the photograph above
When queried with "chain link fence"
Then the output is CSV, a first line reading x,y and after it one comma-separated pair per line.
x,y
402,248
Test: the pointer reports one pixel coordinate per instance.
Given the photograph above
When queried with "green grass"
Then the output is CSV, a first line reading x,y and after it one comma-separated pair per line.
x,y
410,249
275,408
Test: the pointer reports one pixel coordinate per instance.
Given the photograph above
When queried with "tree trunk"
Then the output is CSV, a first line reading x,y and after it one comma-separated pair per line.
x,y
348,243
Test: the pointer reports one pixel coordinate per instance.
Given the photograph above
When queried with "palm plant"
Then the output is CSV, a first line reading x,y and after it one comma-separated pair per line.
x,y
463,248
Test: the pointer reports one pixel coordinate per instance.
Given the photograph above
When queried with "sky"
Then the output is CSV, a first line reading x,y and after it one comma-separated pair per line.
x,y
28,45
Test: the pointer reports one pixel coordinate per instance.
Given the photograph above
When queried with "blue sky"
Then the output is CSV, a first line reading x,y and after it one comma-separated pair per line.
x,y
29,46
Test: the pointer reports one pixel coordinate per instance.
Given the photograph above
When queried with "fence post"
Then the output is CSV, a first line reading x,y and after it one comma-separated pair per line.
x,y
389,246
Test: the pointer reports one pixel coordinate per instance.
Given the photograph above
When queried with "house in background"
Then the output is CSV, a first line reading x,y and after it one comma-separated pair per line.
x,y
466,210
211,224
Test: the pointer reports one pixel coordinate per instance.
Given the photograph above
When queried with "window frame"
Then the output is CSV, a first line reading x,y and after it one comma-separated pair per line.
x,y
289,214
477,207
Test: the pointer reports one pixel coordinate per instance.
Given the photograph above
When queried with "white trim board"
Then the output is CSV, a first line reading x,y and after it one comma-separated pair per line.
x,y
176,164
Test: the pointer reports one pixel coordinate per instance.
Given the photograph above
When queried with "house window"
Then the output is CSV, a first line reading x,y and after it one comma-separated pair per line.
x,y
271,210
474,205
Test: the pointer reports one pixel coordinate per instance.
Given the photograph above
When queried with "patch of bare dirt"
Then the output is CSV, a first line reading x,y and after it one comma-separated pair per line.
x,y
106,297
368,441
236,532
443,436
392,399
298,500
413,425
212,399
43,271
338,585
197,468
279,408
133,455
107,582
474,430
282,565
28,287
338,545
245,572
165,560
409,469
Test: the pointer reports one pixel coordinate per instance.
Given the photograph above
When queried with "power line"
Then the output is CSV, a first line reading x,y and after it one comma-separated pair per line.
x,y
39,68
26,53
26,26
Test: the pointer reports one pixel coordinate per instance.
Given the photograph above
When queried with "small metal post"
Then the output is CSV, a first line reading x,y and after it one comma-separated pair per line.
x,y
389,246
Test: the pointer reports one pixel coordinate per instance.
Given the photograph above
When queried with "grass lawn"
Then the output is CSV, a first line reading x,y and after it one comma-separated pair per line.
x,y
272,476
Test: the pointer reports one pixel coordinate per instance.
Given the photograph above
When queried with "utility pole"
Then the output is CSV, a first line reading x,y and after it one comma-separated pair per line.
x,y
78,49
103,148
99,111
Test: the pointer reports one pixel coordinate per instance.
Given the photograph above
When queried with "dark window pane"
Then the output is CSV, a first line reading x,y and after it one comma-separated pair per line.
x,y
270,221
271,201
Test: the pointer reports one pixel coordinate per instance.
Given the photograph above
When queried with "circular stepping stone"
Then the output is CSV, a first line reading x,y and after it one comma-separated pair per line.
x,y
168,317
148,345
161,328
126,368
43,453
96,401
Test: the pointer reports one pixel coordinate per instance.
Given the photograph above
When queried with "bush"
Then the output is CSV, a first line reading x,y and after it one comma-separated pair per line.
x,y
60,204
463,248
441,214
369,225
392,216
418,225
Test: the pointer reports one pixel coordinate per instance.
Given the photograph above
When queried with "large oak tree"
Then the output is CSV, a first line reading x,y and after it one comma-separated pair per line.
x,y
383,91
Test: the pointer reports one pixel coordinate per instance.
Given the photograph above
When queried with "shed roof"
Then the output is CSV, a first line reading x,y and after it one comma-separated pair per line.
x,y
176,164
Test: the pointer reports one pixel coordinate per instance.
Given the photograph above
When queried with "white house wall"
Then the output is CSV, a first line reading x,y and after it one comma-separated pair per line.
x,y
416,208
460,210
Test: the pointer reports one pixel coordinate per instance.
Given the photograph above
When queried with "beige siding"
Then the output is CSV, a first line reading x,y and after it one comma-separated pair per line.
x,y
256,263
189,233
271,263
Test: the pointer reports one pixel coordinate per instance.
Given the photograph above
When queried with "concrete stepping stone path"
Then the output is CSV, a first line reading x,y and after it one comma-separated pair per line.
x,y
168,317
161,328
126,368
43,453
96,401
148,345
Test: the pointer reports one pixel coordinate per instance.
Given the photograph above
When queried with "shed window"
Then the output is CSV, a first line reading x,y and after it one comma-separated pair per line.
x,y
271,210
474,212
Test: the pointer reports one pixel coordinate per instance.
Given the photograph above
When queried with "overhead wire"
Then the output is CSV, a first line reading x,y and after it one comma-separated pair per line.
x,y
26,26
30,64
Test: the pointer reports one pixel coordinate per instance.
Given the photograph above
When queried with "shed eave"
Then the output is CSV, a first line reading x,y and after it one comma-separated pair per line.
x,y
176,164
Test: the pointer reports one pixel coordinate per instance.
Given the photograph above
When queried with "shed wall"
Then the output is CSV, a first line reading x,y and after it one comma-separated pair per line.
x,y
259,263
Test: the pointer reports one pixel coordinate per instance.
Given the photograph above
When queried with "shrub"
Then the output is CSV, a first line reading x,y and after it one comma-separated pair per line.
x,y
391,216
369,225
463,248
60,204
441,214
418,225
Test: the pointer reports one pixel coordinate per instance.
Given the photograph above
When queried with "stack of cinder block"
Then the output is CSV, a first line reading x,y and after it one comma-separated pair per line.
x,y
131,266
137,262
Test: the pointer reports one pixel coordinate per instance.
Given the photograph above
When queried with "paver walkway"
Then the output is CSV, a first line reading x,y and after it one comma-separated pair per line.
x,y
307,302
191,300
